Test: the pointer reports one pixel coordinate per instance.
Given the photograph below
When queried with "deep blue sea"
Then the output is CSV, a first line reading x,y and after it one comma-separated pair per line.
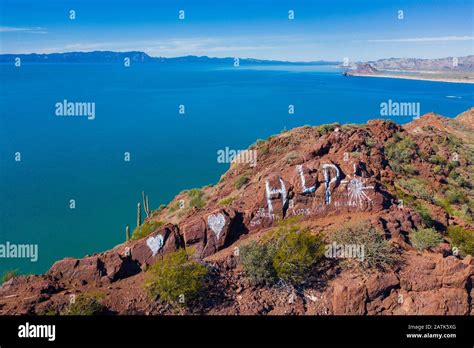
x,y
65,158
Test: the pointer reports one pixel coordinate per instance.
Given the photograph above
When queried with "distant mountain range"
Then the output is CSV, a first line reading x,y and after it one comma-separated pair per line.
x,y
142,57
450,63
450,69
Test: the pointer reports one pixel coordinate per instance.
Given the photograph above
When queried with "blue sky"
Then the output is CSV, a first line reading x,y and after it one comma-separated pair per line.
x,y
330,29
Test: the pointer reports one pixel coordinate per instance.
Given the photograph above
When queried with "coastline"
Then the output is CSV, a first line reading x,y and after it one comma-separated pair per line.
x,y
405,77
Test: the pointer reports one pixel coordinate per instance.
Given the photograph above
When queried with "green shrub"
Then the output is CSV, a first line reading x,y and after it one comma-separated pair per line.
x,y
290,157
7,275
424,213
378,253
463,182
257,262
196,198
176,279
264,150
416,187
370,141
241,181
87,304
401,151
173,207
425,238
327,128
437,159
462,239
409,169
146,228
466,213
227,200
297,250
438,169
455,196
287,253
453,164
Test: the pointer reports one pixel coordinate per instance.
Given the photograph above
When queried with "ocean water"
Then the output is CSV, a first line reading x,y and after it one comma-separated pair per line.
x,y
65,158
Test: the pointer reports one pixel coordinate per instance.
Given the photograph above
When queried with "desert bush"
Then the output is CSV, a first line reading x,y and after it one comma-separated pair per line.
x,y
453,164
444,203
290,157
7,275
327,128
462,238
437,159
176,279
401,151
173,207
86,304
466,213
438,169
409,169
370,141
424,213
296,251
378,253
461,181
455,196
257,262
288,253
146,228
196,198
264,150
417,188
241,181
227,200
425,238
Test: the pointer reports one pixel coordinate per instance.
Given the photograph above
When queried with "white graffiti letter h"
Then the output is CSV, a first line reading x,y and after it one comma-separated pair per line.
x,y
272,191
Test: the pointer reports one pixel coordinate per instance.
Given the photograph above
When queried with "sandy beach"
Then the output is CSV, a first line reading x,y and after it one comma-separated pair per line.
x,y
421,78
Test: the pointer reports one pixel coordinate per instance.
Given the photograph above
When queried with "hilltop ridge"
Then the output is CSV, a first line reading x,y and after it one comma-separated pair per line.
x,y
400,179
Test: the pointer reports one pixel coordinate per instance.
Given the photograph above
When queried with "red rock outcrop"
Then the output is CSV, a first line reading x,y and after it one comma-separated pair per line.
x,y
327,176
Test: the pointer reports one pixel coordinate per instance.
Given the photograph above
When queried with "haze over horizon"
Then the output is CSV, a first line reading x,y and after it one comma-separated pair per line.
x,y
320,30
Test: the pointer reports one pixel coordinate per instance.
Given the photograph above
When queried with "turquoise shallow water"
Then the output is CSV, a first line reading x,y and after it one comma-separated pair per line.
x,y
137,111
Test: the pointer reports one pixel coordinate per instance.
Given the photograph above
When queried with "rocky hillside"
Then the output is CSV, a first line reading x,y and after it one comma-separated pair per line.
x,y
450,69
450,63
414,64
402,180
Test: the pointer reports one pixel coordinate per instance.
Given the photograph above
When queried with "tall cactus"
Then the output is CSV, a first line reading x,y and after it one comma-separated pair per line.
x,y
146,206
139,215
127,233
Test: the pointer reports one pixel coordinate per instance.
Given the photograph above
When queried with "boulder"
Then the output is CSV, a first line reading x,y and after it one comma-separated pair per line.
x,y
349,296
80,271
164,240
222,229
380,284
194,233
